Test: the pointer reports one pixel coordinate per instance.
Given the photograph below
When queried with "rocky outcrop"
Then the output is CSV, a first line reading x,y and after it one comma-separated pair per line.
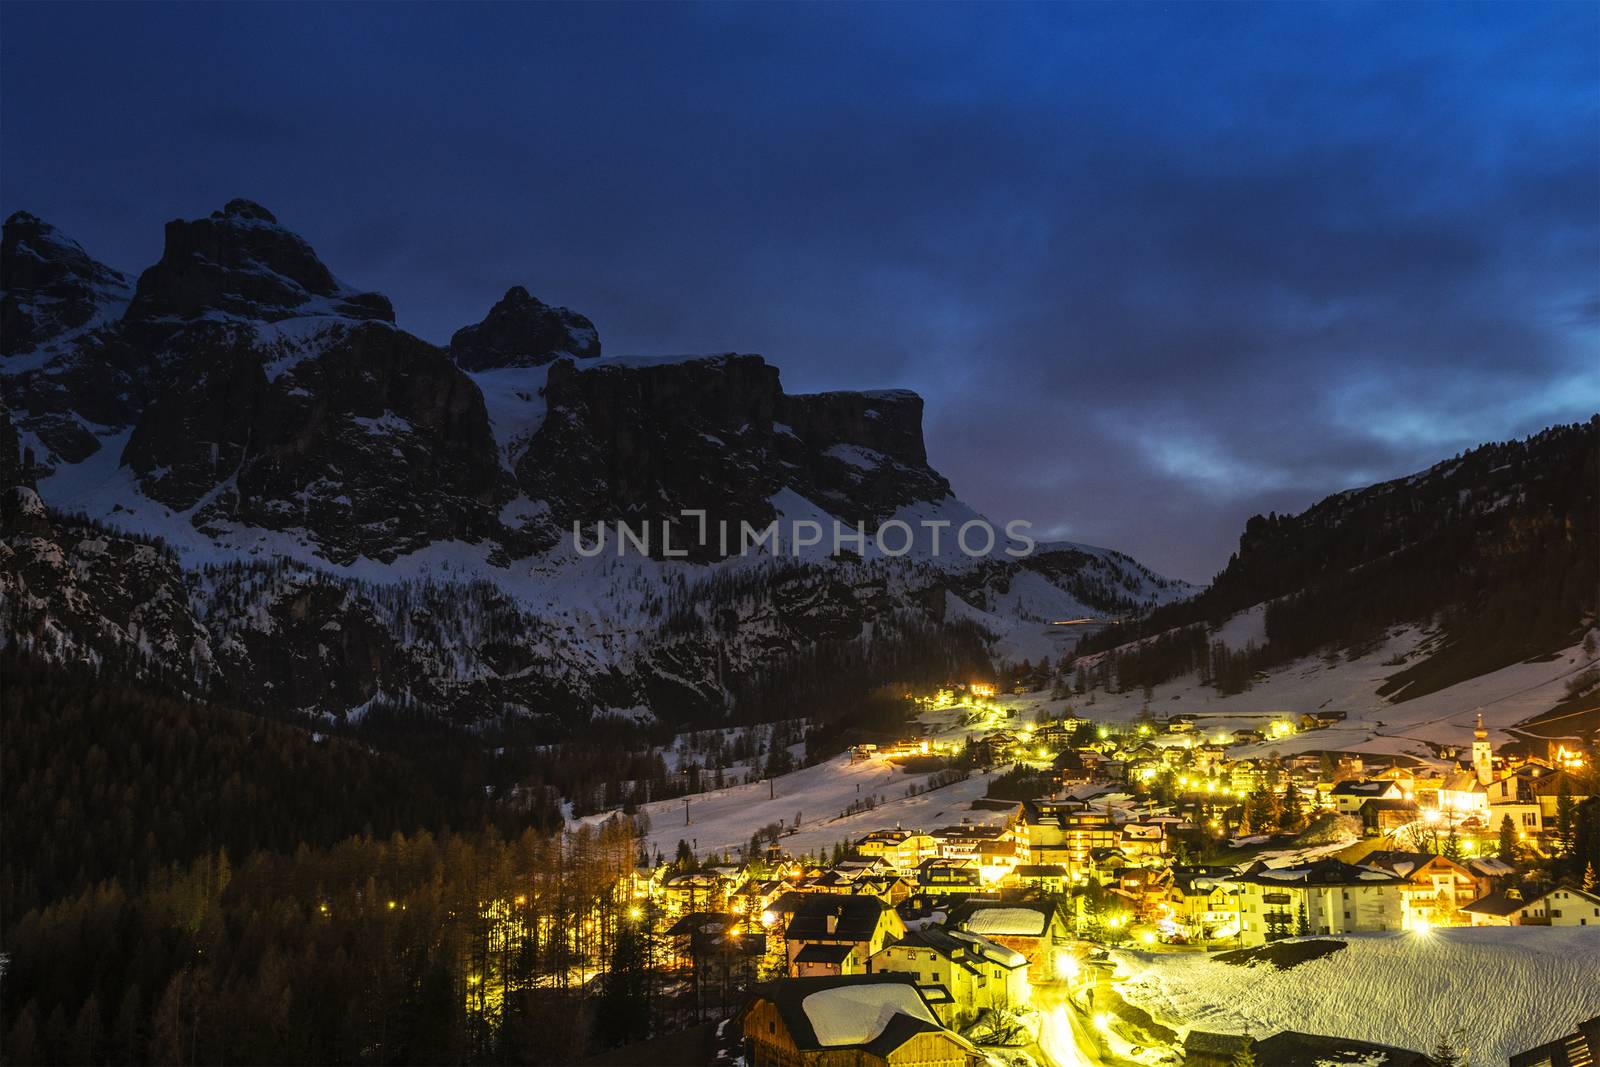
x,y
375,444
240,262
51,284
644,440
65,369
521,331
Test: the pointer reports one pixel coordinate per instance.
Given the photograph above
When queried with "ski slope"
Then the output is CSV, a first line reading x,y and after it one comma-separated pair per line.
x,y
1504,989
726,818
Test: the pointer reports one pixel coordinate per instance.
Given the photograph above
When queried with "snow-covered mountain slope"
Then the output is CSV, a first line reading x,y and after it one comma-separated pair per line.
x,y
1373,723
1494,556
327,488
1497,991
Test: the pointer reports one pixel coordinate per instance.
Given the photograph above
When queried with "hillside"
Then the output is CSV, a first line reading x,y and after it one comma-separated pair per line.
x,y
1494,554
1499,991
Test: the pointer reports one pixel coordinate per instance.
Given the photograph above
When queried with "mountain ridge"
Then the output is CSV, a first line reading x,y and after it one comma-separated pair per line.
x,y
326,490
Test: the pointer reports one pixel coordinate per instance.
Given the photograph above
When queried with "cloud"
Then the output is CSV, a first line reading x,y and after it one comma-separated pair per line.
x,y
1154,269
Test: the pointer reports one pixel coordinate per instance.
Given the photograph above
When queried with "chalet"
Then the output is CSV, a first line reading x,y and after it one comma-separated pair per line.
x,y
967,842
695,891
1246,775
1202,1048
756,895
698,935
1385,816
870,1020
1033,928
937,876
1289,1048
1492,871
1070,768
1317,720
1144,838
1463,793
825,933
1204,903
1045,877
1577,1049
996,747
1336,897
1347,797
1055,735
1565,905
976,973
889,888
1435,887
902,849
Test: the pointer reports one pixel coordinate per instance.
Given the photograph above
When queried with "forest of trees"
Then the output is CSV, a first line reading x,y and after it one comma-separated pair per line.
x,y
187,884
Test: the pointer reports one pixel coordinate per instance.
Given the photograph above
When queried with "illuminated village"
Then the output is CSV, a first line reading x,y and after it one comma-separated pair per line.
x,y
1004,933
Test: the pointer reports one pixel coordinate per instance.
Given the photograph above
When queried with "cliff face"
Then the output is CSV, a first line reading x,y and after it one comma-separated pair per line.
x,y
647,440
355,515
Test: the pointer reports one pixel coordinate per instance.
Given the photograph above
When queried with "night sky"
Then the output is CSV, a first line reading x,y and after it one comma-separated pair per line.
x,y
1154,268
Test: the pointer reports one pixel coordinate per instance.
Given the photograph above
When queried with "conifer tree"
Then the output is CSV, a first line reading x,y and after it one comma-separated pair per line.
x,y
1508,840
1565,812
1452,845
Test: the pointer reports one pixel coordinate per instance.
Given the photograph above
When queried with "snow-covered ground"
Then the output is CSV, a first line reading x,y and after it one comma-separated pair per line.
x,y
1505,989
725,818
1372,725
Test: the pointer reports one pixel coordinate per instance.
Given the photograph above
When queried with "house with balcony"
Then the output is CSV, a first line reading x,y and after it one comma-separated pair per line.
x,y
1034,928
1565,905
965,971
830,934
1435,889
1337,898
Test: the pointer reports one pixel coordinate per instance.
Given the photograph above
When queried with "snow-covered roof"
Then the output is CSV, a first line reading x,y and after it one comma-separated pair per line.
x,y
857,1014
1014,922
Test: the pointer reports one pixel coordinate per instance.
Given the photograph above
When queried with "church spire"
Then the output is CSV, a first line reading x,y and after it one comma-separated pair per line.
x,y
1482,753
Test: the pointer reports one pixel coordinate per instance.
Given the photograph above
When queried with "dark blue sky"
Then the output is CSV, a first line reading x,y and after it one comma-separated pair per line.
x,y
1155,268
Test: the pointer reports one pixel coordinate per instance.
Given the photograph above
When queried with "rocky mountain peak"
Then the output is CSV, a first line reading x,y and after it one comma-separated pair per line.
x,y
51,284
245,209
523,331
241,263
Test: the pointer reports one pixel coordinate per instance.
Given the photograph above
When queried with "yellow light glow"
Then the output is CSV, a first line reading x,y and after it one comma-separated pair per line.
x,y
1148,938
1102,1020
635,913
521,900
391,905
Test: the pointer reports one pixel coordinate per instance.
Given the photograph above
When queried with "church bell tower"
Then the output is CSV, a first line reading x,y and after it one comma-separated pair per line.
x,y
1482,753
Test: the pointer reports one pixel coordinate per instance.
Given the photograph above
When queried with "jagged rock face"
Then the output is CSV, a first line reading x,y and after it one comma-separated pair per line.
x,y
645,441
74,592
241,262
264,403
521,331
51,284
376,443
64,364
862,454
